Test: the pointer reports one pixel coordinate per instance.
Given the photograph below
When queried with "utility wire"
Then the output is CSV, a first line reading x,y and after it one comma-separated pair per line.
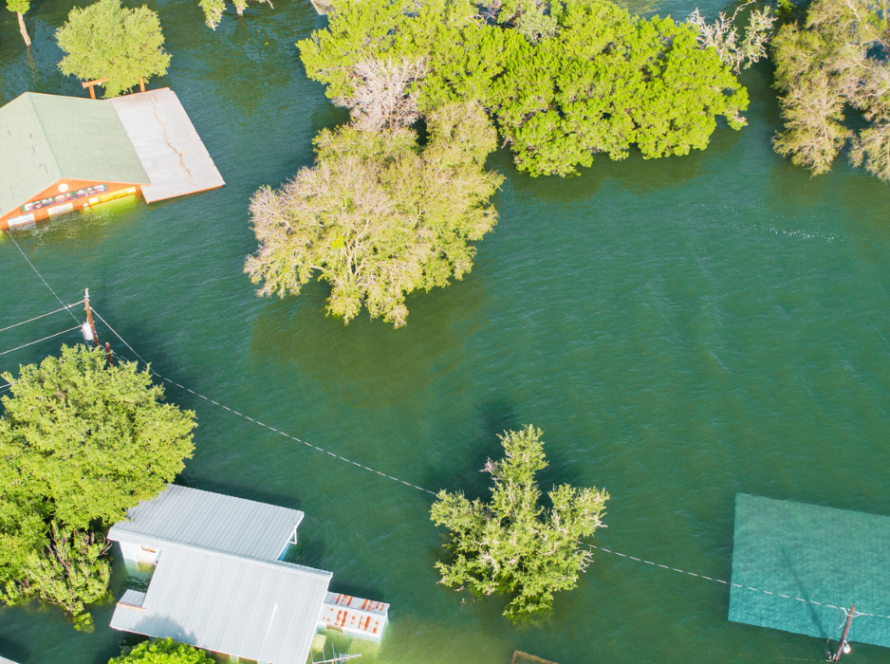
x,y
246,417
57,334
37,272
31,320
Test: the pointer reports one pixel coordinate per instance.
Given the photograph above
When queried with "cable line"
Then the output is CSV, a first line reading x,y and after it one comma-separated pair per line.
x,y
31,320
57,334
37,272
246,417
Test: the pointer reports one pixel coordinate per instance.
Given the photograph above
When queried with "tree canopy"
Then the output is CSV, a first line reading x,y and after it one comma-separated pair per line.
x,y
512,544
80,443
834,62
378,216
105,40
563,81
162,651
213,10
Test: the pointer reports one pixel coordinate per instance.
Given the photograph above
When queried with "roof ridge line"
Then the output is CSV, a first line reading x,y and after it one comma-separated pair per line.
x,y
305,569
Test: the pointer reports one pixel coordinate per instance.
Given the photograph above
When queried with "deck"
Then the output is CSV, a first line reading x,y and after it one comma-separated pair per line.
x,y
171,152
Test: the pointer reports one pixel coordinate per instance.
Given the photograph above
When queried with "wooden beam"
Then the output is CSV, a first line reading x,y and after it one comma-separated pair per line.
x,y
90,84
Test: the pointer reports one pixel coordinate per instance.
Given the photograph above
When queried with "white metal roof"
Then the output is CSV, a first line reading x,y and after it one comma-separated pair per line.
x,y
181,515
3,660
168,146
260,610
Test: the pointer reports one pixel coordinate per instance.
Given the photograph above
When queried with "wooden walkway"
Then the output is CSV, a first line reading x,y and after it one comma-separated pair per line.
x,y
171,152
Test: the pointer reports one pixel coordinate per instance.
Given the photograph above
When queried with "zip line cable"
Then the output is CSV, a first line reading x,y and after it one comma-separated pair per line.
x,y
371,470
246,417
37,272
57,334
31,320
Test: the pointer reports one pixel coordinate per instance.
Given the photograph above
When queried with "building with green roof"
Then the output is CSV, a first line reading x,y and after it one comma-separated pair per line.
x,y
64,153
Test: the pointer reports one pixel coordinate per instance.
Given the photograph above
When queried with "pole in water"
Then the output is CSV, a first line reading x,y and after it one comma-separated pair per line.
x,y
86,305
843,647
108,352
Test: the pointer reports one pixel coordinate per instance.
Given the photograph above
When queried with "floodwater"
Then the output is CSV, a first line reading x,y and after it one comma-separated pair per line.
x,y
681,329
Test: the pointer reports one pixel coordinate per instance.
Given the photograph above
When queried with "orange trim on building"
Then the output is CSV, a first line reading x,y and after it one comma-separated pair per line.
x,y
64,196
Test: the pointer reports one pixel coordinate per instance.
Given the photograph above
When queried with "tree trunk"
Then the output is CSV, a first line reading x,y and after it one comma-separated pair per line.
x,y
239,9
24,30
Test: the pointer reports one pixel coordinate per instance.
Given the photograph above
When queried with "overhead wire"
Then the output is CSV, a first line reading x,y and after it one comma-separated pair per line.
x,y
31,320
57,334
37,272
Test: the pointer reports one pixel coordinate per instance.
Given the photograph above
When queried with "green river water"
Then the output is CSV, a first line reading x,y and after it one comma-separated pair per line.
x,y
682,330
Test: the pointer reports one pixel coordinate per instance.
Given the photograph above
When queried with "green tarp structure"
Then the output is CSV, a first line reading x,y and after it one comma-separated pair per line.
x,y
819,554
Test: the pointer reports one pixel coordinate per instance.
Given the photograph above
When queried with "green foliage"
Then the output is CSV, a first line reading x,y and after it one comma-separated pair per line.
x,y
213,10
105,40
80,443
69,572
833,62
512,544
162,651
583,78
18,6
378,217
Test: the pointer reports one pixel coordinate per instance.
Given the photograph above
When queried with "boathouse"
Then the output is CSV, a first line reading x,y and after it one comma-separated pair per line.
x,y
219,580
59,154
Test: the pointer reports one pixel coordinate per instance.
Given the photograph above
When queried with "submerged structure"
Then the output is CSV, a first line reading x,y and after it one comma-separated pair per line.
x,y
219,580
64,153
799,568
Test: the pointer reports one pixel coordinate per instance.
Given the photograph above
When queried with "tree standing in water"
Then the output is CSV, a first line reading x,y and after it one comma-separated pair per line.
x,y
105,40
21,7
512,544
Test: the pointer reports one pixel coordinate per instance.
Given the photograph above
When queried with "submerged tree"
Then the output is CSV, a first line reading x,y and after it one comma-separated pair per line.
x,y
735,50
80,443
213,10
833,62
512,544
563,80
162,651
105,40
21,7
378,217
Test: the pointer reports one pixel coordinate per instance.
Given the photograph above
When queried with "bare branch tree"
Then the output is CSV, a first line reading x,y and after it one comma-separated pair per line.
x,y
383,97
735,51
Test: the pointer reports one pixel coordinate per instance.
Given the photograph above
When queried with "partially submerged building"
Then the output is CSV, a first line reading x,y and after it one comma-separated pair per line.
x,y
59,154
219,579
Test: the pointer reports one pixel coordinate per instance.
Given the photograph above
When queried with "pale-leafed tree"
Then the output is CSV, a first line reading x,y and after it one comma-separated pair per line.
x,y
213,10
382,96
737,51
377,217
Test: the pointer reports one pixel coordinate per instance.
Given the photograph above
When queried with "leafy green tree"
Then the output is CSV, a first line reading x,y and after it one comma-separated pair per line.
x,y
69,572
512,544
162,651
833,63
562,82
21,7
105,40
80,443
213,10
378,217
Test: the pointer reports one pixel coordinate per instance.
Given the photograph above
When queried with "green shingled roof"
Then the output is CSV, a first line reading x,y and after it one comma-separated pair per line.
x,y
44,138
820,559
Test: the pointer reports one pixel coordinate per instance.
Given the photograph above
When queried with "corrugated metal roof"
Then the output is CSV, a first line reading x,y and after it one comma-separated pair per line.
x,y
260,610
44,138
211,521
170,149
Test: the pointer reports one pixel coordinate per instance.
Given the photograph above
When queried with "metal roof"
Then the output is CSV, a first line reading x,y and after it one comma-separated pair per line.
x,y
3,660
261,610
181,515
44,138
170,149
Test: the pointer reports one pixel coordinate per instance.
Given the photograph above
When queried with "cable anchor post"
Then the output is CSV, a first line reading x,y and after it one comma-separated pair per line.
x,y
93,336
843,648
